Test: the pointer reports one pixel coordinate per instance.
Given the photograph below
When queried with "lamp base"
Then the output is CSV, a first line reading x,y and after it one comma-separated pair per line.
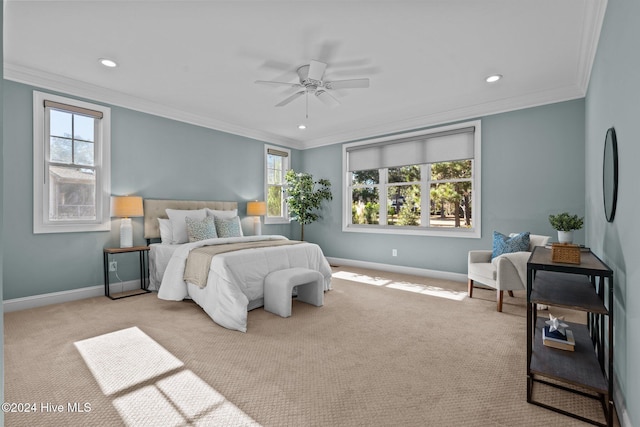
x,y
257,226
126,233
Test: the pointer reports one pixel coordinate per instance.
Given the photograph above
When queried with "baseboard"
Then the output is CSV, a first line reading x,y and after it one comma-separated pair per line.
x,y
66,296
621,409
423,272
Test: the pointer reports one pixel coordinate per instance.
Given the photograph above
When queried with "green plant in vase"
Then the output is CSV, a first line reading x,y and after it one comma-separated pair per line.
x,y
565,224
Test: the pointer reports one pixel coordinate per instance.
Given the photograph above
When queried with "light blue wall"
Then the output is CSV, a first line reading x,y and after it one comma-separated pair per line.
x,y
532,166
613,100
1,206
152,157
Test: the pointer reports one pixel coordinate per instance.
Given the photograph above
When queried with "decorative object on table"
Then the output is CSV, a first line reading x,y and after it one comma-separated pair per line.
x,y
559,341
565,252
126,207
565,224
555,334
610,174
305,197
556,324
256,210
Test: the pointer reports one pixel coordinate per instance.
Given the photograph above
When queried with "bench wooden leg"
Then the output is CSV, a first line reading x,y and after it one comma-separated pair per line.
x,y
470,288
500,297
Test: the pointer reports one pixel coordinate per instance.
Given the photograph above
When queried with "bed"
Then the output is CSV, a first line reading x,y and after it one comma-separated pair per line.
x,y
235,279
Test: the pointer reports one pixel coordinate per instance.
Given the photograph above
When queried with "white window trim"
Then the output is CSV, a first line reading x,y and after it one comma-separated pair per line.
x,y
103,169
474,233
284,219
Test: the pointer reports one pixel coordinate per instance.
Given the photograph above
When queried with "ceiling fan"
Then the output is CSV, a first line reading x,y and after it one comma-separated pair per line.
x,y
312,83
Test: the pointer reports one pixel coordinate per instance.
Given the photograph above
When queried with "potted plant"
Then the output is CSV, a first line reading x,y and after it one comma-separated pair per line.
x,y
565,223
305,197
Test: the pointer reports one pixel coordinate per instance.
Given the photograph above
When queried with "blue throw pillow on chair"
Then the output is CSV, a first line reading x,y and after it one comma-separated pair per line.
x,y
504,244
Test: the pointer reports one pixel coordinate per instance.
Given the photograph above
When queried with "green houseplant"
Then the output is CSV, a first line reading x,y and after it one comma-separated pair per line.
x,y
305,197
565,223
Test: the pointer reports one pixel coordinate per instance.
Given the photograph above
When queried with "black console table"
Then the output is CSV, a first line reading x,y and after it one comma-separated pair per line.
x,y
587,287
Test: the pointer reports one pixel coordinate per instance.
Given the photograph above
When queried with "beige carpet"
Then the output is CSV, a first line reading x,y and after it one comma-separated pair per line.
x,y
385,350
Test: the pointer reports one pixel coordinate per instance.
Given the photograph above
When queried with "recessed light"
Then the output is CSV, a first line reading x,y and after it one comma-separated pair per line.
x,y
108,62
302,127
493,78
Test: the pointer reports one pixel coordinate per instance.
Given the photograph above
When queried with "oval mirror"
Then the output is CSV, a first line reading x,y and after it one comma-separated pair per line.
x,y
610,174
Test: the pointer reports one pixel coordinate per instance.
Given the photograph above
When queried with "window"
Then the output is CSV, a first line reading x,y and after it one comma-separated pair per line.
x,y
276,166
425,183
71,165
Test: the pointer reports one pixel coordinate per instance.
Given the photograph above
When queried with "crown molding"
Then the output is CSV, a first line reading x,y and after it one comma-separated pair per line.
x,y
374,127
101,94
371,127
594,18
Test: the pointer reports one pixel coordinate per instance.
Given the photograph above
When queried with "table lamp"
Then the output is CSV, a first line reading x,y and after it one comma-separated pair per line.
x,y
256,210
126,207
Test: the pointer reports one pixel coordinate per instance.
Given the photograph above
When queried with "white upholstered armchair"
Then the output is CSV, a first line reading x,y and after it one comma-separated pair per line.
x,y
507,272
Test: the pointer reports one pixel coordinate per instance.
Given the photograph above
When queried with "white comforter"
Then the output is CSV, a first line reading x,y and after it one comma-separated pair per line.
x,y
236,279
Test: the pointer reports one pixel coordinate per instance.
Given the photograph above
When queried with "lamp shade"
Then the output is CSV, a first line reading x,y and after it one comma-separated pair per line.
x,y
256,208
126,206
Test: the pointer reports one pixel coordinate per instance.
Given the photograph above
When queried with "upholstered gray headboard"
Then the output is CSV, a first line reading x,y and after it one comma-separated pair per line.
x,y
154,209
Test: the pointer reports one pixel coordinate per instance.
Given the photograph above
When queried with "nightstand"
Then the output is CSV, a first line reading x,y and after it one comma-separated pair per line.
x,y
144,268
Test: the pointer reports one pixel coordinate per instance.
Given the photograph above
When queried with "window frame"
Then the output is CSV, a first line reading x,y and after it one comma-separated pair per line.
x,y
102,167
284,219
425,182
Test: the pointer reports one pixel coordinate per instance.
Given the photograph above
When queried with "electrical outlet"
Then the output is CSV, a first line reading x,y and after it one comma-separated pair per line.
x,y
113,266
394,252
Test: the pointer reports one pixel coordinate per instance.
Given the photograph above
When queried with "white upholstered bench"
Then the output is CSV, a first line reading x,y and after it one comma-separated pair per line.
x,y
278,287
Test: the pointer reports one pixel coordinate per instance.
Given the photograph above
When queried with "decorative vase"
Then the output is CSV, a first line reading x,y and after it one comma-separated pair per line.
x,y
565,236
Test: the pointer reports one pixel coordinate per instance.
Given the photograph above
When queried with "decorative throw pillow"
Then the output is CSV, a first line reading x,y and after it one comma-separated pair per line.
x,y
179,225
201,229
228,227
504,244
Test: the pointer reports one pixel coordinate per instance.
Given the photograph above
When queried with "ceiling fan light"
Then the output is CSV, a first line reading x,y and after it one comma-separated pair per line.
x,y
493,78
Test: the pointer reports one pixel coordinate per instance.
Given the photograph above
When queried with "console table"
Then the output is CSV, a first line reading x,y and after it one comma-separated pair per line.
x,y
587,287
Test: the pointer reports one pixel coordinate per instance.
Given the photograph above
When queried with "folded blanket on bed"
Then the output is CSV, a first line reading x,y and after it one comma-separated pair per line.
x,y
198,263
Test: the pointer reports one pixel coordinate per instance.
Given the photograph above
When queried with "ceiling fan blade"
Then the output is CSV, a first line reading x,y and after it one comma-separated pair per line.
x,y
347,84
289,99
326,98
267,82
316,70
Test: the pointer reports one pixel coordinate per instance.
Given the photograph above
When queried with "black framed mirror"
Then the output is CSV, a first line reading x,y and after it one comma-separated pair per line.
x,y
610,174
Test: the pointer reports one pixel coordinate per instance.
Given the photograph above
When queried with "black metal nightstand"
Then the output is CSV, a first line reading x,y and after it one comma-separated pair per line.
x,y
144,268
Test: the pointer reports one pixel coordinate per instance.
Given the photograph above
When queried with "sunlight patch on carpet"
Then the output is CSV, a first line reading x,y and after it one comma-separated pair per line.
x,y
125,358
434,291
123,361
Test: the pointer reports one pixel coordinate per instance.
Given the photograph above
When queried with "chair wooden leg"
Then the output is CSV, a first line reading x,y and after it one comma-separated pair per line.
x,y
500,297
470,288
510,293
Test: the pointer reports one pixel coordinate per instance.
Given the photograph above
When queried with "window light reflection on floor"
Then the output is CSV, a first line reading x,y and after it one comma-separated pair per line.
x,y
402,285
134,368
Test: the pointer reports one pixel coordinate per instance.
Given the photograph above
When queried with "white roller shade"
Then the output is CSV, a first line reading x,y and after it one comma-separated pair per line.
x,y
430,148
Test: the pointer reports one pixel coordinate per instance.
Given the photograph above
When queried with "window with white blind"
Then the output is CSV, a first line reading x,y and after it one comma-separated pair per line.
x,y
425,183
71,165
276,166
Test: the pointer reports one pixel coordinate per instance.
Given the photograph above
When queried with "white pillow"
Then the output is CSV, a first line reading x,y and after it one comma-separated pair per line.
x,y
179,224
166,231
222,214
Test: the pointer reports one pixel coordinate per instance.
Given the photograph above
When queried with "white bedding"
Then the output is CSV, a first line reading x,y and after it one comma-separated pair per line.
x,y
236,279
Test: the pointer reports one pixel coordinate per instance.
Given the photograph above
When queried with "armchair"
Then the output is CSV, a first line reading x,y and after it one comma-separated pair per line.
x,y
507,272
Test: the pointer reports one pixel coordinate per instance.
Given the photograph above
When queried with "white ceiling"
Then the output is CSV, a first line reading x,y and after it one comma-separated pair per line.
x,y
197,61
